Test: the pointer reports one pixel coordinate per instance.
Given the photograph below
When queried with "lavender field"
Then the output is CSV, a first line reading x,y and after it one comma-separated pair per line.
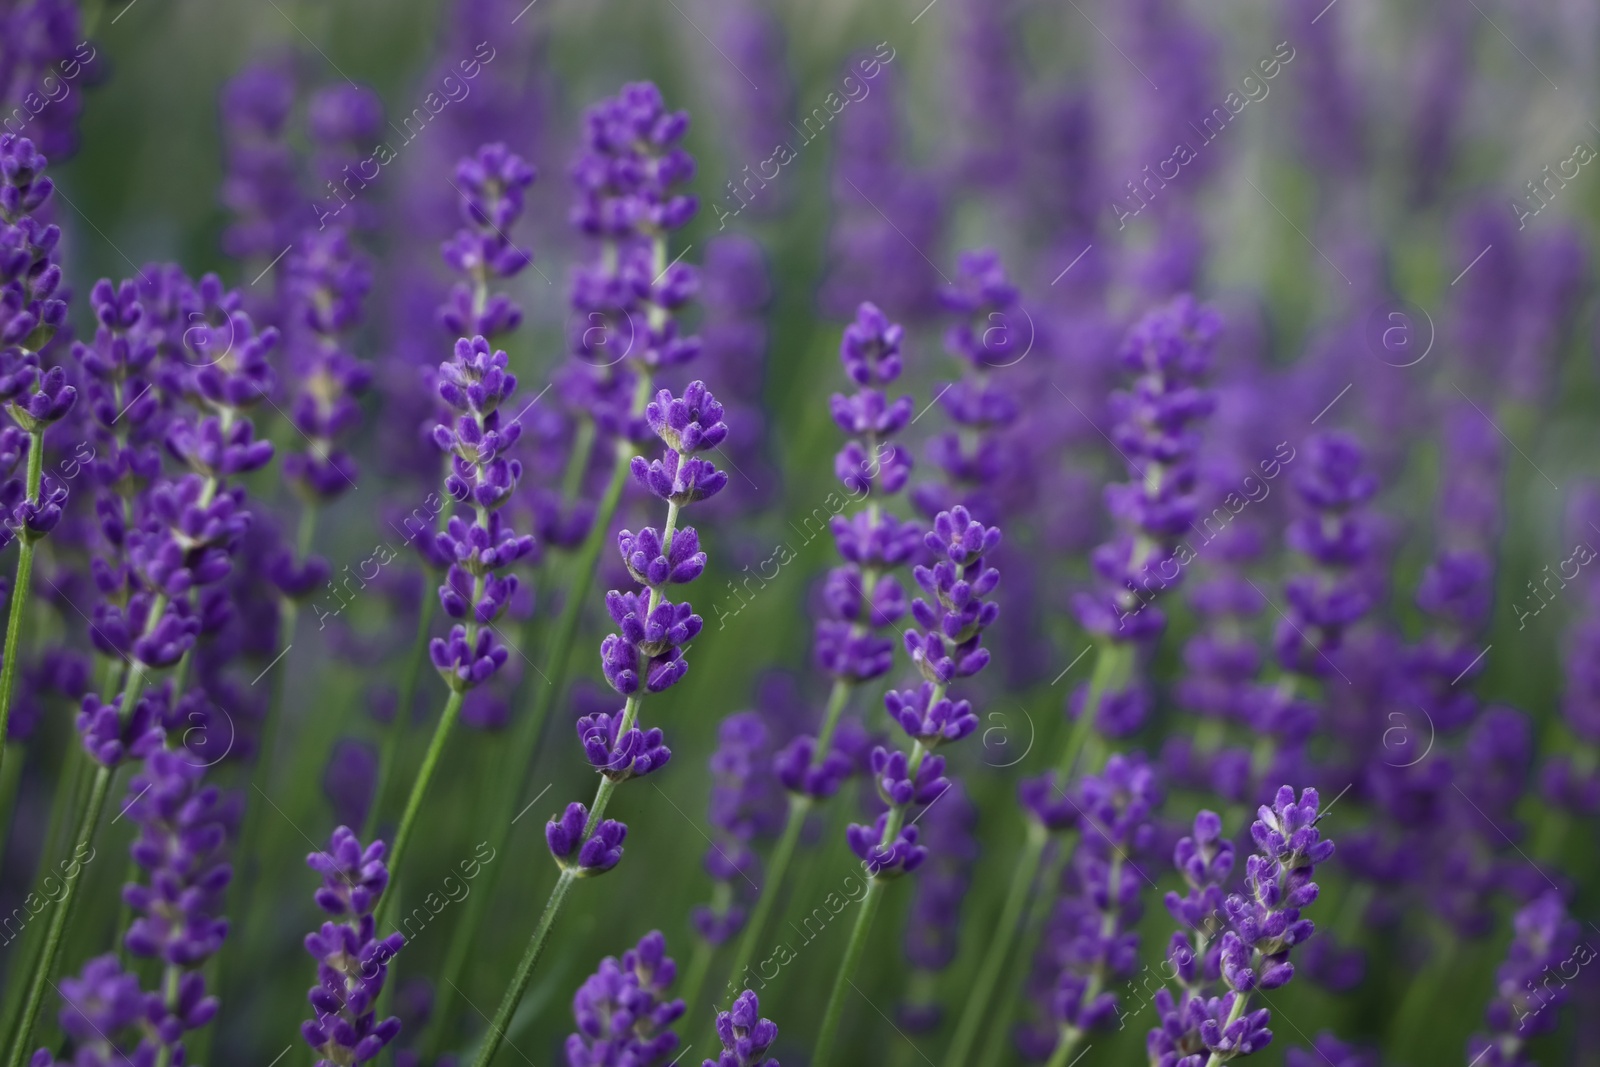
x,y
637,533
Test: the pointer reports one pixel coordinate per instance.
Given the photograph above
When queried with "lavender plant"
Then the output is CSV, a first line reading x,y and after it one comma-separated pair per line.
x,y
645,655
30,313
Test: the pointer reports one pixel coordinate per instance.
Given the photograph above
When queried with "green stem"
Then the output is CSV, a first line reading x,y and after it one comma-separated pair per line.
x,y
10,780
852,958
994,1049
42,973
169,991
530,956
695,977
19,594
869,906
1111,663
442,1028
389,752
64,801
973,1015
519,981
777,869
419,789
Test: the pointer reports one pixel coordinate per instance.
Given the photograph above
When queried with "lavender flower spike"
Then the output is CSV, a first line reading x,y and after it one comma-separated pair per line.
x,y
622,1010
1216,976
352,961
1523,1005
745,1035
475,384
30,313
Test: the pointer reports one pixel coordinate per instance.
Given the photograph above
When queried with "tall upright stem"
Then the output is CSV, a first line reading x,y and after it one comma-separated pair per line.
x,y
852,958
42,973
869,905
535,949
389,750
777,868
88,824
519,981
994,959
419,789
19,596
1111,661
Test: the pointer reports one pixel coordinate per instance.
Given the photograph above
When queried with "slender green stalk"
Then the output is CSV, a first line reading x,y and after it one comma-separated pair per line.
x,y
247,904
87,825
1111,662
394,732
19,595
777,868
869,907
463,940
694,978
519,981
10,780
419,789
994,959
530,956
169,994
64,801
994,1049
852,958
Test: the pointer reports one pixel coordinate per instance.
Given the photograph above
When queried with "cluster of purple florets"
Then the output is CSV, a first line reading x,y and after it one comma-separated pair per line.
x,y
474,385
1222,955
623,1012
352,960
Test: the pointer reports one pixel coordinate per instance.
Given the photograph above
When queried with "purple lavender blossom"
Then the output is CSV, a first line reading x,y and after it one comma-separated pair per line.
x,y
184,826
582,850
861,596
622,1011
326,280
629,201
105,1015
1524,1005
1227,955
260,186
1335,536
352,961
746,804
44,49
1090,945
745,1035
949,648
493,185
32,309
991,331
475,383
1169,351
